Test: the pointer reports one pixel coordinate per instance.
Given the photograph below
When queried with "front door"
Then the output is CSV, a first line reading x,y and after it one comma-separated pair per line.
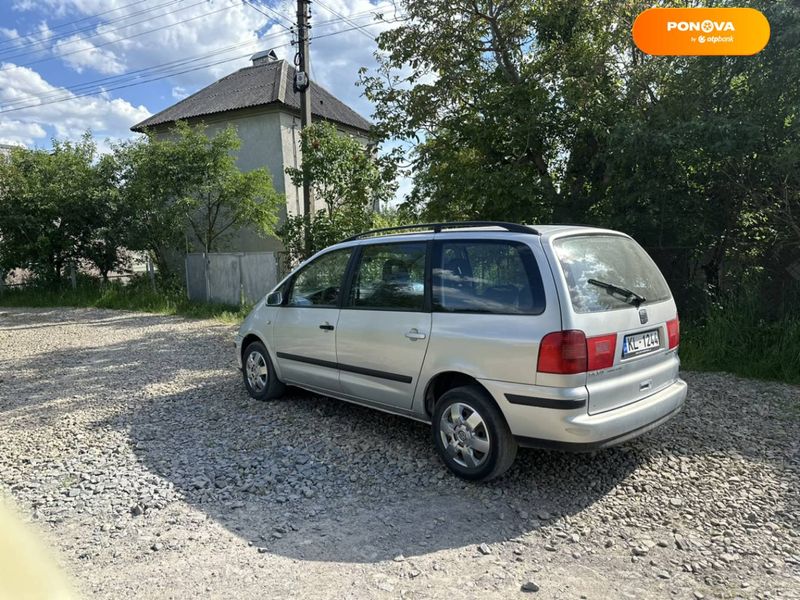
x,y
305,327
385,324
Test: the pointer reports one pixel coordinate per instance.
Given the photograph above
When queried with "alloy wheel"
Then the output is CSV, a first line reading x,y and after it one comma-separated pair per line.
x,y
257,372
464,435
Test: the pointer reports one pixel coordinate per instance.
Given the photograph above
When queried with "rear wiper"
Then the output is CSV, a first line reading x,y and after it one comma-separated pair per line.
x,y
624,294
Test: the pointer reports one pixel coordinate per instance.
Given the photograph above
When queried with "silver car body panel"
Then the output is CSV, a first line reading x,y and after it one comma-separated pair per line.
x,y
390,342
579,411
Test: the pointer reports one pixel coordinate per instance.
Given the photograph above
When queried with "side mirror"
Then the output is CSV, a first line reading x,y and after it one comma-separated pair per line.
x,y
274,299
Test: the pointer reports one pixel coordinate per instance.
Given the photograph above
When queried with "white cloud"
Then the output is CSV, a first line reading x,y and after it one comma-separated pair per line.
x,y
44,33
23,5
179,93
232,29
104,116
10,34
81,54
20,132
160,35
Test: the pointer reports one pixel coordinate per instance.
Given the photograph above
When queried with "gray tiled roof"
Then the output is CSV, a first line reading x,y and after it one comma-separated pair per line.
x,y
270,83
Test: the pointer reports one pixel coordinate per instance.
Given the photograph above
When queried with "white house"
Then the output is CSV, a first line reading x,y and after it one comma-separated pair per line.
x,y
261,103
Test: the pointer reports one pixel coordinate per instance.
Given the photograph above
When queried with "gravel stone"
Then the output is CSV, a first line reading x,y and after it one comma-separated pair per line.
x,y
123,432
530,586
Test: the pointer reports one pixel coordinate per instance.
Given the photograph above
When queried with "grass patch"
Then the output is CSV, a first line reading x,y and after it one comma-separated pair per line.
x,y
136,296
737,339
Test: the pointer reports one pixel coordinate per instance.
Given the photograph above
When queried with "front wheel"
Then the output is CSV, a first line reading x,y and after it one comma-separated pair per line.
x,y
471,434
259,374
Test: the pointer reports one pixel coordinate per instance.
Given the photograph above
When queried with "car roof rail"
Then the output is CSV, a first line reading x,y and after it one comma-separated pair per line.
x,y
439,227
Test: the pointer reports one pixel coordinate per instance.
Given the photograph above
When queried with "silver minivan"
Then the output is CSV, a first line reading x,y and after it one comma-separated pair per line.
x,y
497,334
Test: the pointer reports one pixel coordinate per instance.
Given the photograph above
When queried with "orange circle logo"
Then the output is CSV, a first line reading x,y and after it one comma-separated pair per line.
x,y
701,31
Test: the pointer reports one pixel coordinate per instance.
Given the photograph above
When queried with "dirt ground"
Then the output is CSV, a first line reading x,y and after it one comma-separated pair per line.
x,y
128,443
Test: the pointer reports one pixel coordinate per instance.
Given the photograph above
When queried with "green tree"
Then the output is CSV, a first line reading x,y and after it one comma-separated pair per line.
x,y
46,200
534,110
706,165
342,172
112,219
350,180
507,104
188,182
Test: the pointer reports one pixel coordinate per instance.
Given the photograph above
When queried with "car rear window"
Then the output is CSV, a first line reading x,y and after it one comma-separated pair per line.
x,y
611,259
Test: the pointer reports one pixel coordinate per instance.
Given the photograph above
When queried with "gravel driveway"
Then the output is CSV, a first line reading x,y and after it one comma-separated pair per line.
x,y
130,444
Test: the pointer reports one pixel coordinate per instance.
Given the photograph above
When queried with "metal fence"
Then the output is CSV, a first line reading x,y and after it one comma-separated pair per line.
x,y
232,278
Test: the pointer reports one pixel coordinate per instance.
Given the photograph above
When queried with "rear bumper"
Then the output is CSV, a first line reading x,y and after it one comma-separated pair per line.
x,y
558,419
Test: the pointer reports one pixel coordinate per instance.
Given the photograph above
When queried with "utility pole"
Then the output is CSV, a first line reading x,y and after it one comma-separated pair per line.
x,y
302,84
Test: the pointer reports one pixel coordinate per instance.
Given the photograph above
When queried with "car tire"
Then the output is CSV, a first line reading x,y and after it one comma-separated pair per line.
x,y
259,375
471,434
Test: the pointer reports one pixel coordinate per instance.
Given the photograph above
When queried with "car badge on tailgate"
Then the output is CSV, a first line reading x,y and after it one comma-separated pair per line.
x,y
643,316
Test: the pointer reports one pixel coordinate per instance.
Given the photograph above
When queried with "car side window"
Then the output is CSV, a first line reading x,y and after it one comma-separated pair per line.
x,y
487,277
390,277
320,282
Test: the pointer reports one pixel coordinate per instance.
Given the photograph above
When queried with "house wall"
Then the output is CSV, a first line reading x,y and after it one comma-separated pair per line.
x,y
262,146
270,137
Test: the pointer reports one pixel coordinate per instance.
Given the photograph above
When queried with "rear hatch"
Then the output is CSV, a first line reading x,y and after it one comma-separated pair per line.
x,y
637,334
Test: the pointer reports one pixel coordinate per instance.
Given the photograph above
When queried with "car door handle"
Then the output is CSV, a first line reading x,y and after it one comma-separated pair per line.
x,y
415,335
326,327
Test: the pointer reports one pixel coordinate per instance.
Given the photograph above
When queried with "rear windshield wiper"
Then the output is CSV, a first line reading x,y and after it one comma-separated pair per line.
x,y
622,293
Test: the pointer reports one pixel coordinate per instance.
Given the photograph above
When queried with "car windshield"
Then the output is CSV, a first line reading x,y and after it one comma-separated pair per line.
x,y
607,258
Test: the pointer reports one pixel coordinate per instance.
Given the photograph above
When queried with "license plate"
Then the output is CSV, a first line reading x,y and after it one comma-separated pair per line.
x,y
640,343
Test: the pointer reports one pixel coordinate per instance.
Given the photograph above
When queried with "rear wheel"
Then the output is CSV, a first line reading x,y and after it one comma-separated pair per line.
x,y
259,375
471,434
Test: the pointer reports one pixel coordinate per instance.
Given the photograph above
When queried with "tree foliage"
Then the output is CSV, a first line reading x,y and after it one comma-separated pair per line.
x,y
545,111
187,190
53,208
156,194
349,180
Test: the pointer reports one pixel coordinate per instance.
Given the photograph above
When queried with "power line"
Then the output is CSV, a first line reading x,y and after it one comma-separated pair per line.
x,y
135,35
130,83
138,72
346,20
51,40
94,16
359,27
126,85
276,18
151,69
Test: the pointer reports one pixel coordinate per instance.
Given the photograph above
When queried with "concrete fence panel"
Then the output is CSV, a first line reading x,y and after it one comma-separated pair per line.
x,y
196,277
230,277
224,279
259,275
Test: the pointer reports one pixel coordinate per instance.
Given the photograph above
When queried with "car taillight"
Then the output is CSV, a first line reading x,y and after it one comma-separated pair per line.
x,y
563,352
674,333
601,351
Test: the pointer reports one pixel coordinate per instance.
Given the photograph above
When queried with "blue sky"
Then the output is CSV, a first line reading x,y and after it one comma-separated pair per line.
x,y
49,47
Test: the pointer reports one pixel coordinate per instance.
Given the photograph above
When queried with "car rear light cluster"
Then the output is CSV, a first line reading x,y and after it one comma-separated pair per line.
x,y
674,333
601,351
570,352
